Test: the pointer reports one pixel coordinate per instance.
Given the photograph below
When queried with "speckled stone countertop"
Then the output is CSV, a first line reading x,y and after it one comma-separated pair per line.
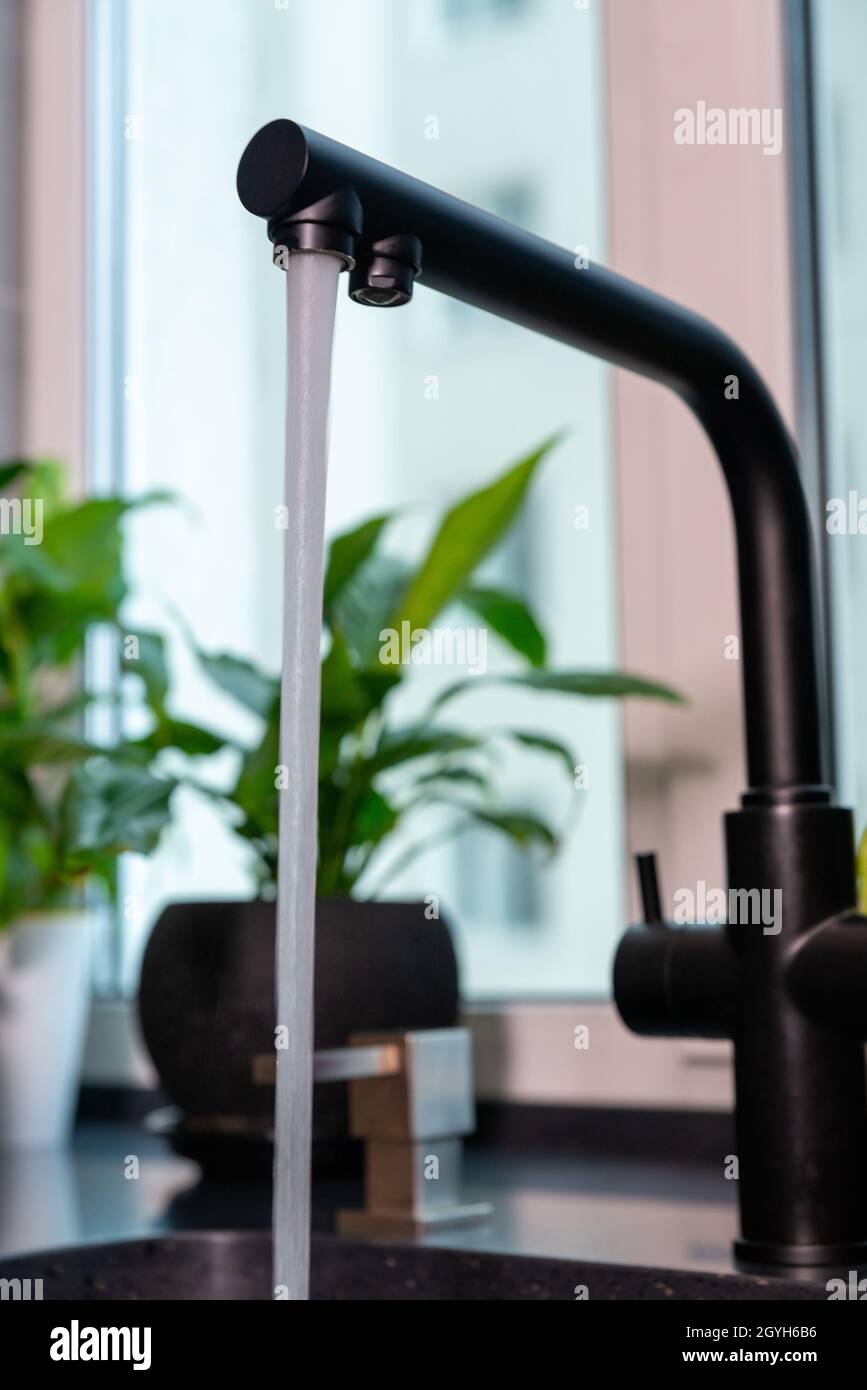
x,y
237,1266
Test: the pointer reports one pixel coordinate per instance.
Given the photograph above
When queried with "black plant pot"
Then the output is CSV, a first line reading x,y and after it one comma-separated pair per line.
x,y
207,1010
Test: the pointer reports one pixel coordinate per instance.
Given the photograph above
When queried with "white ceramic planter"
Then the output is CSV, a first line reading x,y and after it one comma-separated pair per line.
x,y
44,1002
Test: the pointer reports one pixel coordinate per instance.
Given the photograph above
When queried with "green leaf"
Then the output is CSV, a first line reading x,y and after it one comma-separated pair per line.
x,y
523,828
83,544
242,680
86,544
593,684
351,694
407,745
255,792
187,738
71,581
543,743
467,776
27,859
861,873
348,553
331,736
510,618
363,608
468,532
44,479
111,807
374,818
33,565
344,698
12,470
150,665
69,806
40,744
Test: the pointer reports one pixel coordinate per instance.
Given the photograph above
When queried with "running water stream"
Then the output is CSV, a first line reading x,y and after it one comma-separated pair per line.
x,y
311,290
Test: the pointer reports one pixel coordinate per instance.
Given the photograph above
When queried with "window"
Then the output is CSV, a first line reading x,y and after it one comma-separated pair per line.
x,y
838,416
465,14
198,327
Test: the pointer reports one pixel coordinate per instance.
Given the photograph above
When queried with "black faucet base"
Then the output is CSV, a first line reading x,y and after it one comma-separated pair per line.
x,y
772,1253
785,979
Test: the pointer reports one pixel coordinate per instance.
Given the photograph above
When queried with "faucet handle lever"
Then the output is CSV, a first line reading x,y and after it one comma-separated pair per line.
x,y
648,887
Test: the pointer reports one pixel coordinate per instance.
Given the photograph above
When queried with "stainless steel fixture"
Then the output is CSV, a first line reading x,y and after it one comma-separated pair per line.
x,y
411,1101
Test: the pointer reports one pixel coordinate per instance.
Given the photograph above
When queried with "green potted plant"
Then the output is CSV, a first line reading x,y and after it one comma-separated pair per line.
x,y
69,805
379,964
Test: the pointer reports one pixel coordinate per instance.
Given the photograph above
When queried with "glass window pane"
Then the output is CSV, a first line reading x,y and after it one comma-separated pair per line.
x,y
428,403
839,39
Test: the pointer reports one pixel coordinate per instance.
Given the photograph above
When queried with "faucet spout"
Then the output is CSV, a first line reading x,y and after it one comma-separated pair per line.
x,y
478,258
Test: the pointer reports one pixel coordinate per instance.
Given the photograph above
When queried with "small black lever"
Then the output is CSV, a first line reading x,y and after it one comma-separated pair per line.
x,y
648,887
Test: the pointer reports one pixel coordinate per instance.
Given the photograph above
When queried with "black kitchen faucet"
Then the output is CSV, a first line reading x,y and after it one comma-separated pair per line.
x,y
791,994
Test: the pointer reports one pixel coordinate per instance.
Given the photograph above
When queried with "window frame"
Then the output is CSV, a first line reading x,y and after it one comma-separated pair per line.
x,y
525,1052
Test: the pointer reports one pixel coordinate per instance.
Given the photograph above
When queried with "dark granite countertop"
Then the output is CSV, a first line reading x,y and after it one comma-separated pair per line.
x,y
237,1265
641,1226
645,1226
120,1180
